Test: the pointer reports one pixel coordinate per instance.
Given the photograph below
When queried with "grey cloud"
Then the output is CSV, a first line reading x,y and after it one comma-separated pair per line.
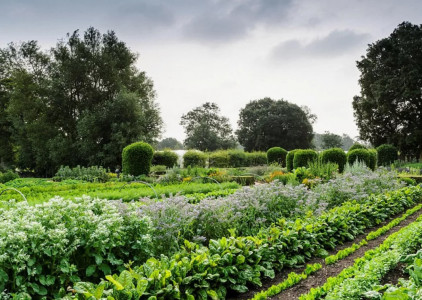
x,y
336,43
226,20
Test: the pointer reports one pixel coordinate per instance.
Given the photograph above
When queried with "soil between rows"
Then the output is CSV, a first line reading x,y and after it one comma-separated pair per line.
x,y
320,277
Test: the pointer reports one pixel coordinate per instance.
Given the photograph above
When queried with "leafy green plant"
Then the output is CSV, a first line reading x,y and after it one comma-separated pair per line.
x,y
194,158
359,155
167,158
335,155
136,159
91,174
387,154
302,158
289,159
277,155
8,176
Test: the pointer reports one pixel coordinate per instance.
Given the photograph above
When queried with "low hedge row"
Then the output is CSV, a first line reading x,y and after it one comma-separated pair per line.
x,y
233,263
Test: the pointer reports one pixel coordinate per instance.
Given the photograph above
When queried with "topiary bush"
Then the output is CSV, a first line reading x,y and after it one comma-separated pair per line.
x,y
304,157
165,158
357,146
277,155
194,158
359,154
335,155
256,159
373,158
219,159
237,158
8,176
387,154
289,159
136,159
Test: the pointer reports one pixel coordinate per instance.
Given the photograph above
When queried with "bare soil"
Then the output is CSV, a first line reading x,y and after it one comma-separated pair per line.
x,y
320,277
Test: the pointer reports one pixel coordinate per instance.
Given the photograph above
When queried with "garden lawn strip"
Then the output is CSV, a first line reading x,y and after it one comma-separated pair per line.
x,y
326,271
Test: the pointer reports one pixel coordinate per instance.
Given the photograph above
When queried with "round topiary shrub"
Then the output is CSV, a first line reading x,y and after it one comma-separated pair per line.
x,y
303,157
277,155
237,158
194,158
136,159
357,146
387,154
256,159
373,158
165,158
335,155
289,159
360,155
219,159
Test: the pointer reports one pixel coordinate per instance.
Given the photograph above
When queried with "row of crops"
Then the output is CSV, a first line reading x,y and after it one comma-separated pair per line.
x,y
214,247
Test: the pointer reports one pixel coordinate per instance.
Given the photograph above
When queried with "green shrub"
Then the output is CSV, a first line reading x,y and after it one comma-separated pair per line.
x,y
373,158
165,158
91,174
356,146
136,159
219,159
237,158
387,154
256,158
194,158
303,157
289,159
335,155
277,155
409,181
8,176
360,155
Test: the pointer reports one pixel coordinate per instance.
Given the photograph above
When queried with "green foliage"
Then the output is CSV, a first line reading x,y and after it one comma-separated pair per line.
x,y
194,158
136,159
331,140
407,180
256,158
335,155
267,123
169,143
277,155
8,176
373,159
230,264
165,158
387,109
237,158
206,129
289,159
219,159
78,104
322,170
387,154
92,174
66,242
359,155
357,146
302,158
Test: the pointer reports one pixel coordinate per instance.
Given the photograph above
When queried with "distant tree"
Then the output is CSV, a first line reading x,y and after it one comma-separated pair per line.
x,y
389,109
347,142
331,140
80,103
206,129
169,143
267,123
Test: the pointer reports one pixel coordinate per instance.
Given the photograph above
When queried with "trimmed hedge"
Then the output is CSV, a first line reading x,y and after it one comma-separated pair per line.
x,y
219,159
256,158
357,146
165,158
373,158
303,157
387,154
289,159
136,159
335,155
277,155
237,158
194,158
359,154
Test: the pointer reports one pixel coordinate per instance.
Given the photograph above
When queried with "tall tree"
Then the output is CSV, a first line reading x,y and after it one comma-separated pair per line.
x,y
80,103
389,109
206,129
269,123
331,140
170,143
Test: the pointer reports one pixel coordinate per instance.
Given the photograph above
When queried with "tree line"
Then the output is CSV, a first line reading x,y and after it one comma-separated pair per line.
x,y
84,100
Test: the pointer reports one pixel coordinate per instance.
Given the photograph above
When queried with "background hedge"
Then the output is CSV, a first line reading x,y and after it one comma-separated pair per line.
x,y
303,157
277,155
194,158
335,155
359,154
387,154
165,158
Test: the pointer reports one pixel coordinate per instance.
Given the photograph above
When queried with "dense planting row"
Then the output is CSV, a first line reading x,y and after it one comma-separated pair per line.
x,y
231,264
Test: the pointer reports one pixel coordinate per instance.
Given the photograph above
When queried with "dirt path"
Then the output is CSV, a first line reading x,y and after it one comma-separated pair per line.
x,y
320,277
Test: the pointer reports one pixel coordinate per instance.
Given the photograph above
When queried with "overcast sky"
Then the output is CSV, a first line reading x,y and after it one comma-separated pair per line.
x,y
230,51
